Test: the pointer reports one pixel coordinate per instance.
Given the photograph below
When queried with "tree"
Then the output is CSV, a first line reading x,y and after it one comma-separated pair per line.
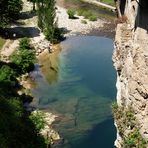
x,y
9,9
47,20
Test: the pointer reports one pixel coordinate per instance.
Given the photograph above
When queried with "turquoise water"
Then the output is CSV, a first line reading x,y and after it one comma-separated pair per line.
x,y
82,93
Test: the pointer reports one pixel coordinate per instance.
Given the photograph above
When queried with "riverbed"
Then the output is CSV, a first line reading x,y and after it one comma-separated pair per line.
x,y
79,87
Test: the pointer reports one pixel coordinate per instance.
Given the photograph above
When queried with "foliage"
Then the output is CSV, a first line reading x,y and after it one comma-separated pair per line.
x,y
57,33
93,18
38,119
114,107
24,44
126,121
7,76
71,13
47,22
135,140
16,128
87,14
24,58
9,9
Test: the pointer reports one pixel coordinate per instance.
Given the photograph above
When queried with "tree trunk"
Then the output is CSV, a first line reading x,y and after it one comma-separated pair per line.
x,y
117,4
33,6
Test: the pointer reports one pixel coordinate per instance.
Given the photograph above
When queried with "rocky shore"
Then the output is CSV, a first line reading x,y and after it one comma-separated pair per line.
x,y
75,27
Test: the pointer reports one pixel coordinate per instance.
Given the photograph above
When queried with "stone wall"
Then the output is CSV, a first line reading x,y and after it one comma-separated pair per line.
x,y
131,62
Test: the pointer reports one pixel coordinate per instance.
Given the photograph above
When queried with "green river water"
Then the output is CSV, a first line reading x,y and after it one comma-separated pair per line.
x,y
80,92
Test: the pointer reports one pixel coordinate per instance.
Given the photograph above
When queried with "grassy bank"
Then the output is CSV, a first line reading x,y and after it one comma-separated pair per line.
x,y
78,5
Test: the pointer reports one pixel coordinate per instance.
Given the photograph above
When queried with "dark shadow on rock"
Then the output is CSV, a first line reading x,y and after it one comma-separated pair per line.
x,y
27,15
19,32
64,30
142,15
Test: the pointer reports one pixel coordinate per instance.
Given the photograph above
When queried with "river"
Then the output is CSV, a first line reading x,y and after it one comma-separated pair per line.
x,y
80,88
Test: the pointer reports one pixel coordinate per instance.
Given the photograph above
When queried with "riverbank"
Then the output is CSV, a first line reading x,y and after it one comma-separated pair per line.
x,y
31,29
73,27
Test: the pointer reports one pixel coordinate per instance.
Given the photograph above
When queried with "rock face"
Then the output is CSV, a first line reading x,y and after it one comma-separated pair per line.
x,y
131,62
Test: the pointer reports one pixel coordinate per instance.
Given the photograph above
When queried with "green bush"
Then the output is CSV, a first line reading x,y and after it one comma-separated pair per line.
x,y
24,44
54,35
24,59
87,14
7,76
71,13
38,120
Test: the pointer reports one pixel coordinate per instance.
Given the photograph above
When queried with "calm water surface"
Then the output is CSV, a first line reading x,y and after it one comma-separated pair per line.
x,y
81,92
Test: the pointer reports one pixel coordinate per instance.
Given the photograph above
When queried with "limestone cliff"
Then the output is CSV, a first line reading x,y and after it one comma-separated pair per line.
x,y
131,62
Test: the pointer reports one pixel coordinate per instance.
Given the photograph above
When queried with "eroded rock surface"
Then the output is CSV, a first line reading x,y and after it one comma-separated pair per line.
x,y
131,62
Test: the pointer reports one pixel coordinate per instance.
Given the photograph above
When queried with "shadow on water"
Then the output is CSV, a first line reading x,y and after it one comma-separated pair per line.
x,y
102,134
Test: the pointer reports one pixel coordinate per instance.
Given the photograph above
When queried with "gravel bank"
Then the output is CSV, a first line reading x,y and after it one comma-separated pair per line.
x,y
75,26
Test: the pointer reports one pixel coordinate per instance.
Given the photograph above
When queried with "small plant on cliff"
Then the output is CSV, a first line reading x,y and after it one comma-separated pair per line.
x,y
125,118
126,121
134,140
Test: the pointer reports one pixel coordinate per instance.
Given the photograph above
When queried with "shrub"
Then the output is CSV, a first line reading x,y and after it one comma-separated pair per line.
x,y
114,107
55,35
38,119
7,76
24,60
24,43
134,139
71,13
87,14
